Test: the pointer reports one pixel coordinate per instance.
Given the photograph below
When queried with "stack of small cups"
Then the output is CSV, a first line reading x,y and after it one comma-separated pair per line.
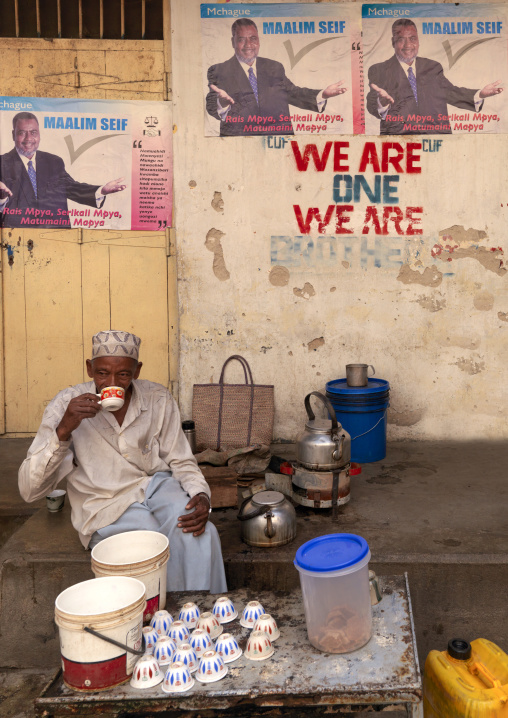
x,y
211,663
147,673
264,631
226,644
184,661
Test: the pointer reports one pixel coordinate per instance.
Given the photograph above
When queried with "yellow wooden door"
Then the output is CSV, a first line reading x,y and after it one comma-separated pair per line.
x,y
59,287
125,286
43,342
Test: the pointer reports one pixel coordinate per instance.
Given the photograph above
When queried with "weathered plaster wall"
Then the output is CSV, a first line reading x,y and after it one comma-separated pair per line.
x,y
429,310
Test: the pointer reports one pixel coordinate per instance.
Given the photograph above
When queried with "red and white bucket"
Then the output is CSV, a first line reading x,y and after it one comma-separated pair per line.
x,y
112,607
140,554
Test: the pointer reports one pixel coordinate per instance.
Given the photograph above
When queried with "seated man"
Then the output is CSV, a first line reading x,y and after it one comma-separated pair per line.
x,y
128,469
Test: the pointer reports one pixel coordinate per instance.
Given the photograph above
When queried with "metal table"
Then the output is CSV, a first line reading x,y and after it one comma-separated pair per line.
x,y
298,680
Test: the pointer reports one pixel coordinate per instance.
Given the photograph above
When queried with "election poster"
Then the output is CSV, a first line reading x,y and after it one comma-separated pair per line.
x,y
282,69
435,68
93,164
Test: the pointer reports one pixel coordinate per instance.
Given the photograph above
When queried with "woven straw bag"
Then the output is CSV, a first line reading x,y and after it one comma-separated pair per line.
x,y
233,416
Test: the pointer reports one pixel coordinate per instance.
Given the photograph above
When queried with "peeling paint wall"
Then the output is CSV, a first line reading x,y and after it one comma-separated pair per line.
x,y
429,310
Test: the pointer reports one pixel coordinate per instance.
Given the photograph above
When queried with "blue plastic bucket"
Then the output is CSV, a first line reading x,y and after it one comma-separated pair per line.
x,y
362,412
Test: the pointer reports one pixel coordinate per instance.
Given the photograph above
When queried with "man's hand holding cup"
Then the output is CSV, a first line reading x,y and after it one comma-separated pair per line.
x,y
86,406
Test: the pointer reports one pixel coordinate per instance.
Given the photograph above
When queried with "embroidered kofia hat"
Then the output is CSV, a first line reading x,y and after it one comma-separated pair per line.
x,y
115,344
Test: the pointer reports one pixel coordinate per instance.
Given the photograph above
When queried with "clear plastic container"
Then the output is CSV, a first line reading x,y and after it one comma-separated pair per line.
x,y
334,576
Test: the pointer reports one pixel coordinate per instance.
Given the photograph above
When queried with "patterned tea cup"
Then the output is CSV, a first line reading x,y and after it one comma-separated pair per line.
x,y
211,667
146,673
185,654
177,679
200,641
227,648
189,614
209,623
252,611
112,398
179,632
224,610
161,621
164,650
267,624
150,637
259,646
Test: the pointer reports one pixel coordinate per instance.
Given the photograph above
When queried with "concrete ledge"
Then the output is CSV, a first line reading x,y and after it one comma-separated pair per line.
x,y
12,454
43,558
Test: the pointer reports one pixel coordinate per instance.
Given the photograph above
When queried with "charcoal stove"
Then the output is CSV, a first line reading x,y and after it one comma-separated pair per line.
x,y
320,477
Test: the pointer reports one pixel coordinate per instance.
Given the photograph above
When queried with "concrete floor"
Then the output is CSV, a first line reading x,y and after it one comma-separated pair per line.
x,y
434,509
18,690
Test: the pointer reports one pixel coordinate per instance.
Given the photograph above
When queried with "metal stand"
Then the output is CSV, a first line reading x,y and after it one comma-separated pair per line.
x,y
298,681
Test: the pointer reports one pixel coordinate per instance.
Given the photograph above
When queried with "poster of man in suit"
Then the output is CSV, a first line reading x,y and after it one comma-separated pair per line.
x,y
281,69
90,164
435,68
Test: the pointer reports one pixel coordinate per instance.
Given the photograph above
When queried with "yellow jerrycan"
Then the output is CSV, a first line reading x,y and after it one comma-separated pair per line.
x,y
469,680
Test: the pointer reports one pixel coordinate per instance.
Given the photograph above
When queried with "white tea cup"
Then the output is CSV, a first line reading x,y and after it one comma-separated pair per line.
x,y
55,500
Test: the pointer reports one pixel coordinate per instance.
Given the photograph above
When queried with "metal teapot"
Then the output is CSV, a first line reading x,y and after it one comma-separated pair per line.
x,y
268,519
324,445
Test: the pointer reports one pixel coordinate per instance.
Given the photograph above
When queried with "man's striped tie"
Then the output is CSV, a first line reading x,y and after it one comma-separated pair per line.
x,y
32,175
254,83
412,81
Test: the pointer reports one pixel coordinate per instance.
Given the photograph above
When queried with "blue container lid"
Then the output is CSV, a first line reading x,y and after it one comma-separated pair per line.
x,y
332,552
374,386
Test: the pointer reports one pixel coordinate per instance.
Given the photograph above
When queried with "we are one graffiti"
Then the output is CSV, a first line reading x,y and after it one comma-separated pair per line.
x,y
375,180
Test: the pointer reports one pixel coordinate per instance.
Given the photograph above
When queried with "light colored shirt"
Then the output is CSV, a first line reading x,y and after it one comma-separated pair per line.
x,y
26,160
406,67
246,67
108,466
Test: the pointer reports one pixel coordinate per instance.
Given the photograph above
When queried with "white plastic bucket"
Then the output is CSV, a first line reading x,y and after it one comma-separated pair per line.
x,y
141,554
334,576
111,606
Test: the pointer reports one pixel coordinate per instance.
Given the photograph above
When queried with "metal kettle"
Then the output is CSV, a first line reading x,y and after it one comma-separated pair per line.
x,y
268,519
324,445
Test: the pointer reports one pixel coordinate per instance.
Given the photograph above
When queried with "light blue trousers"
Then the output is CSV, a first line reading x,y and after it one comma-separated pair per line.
x,y
195,562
